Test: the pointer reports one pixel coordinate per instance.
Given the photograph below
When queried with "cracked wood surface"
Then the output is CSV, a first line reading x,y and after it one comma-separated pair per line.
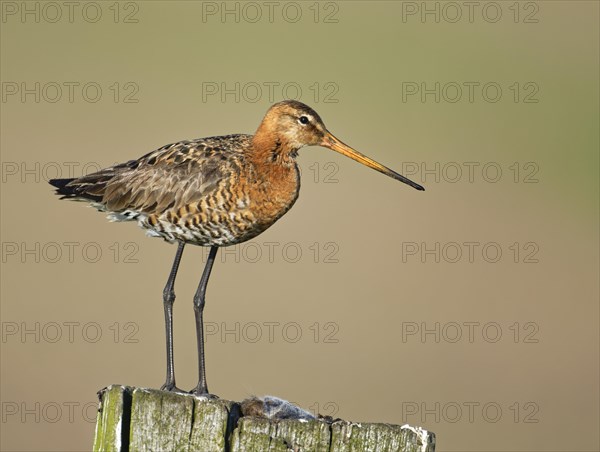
x,y
136,419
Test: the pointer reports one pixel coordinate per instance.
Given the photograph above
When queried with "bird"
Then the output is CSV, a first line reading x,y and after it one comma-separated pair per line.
x,y
212,192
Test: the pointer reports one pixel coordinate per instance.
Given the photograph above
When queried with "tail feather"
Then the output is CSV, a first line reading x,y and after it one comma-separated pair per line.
x,y
91,187
60,183
76,189
62,187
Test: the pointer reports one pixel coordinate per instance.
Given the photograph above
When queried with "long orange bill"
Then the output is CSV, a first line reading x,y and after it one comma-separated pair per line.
x,y
331,142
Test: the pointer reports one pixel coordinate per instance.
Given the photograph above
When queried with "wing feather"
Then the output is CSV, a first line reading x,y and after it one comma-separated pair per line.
x,y
175,175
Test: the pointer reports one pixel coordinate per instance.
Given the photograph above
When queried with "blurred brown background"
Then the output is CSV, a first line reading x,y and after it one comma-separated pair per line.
x,y
368,301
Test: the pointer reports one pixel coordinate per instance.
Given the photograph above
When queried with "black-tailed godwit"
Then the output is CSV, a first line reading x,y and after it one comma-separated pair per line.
x,y
213,192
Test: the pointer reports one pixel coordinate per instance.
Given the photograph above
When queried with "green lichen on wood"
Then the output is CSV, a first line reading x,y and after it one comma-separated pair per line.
x,y
349,436
109,422
160,420
152,420
215,413
283,435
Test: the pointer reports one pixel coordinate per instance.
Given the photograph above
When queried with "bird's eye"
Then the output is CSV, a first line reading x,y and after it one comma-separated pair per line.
x,y
303,120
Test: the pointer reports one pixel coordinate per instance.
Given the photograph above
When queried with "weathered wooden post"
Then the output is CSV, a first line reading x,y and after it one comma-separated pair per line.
x,y
136,419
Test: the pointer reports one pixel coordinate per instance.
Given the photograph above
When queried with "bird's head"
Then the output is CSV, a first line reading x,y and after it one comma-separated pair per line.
x,y
290,125
293,124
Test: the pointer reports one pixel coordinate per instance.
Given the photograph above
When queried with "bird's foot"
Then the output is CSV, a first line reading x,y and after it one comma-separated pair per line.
x,y
170,387
203,392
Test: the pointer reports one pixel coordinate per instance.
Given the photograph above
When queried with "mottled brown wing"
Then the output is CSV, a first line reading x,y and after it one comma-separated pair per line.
x,y
175,175
156,188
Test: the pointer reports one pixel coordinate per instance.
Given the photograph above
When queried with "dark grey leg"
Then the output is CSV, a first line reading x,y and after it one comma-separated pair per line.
x,y
168,300
199,302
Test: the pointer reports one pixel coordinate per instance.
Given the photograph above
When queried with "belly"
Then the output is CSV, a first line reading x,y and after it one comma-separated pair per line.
x,y
216,229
